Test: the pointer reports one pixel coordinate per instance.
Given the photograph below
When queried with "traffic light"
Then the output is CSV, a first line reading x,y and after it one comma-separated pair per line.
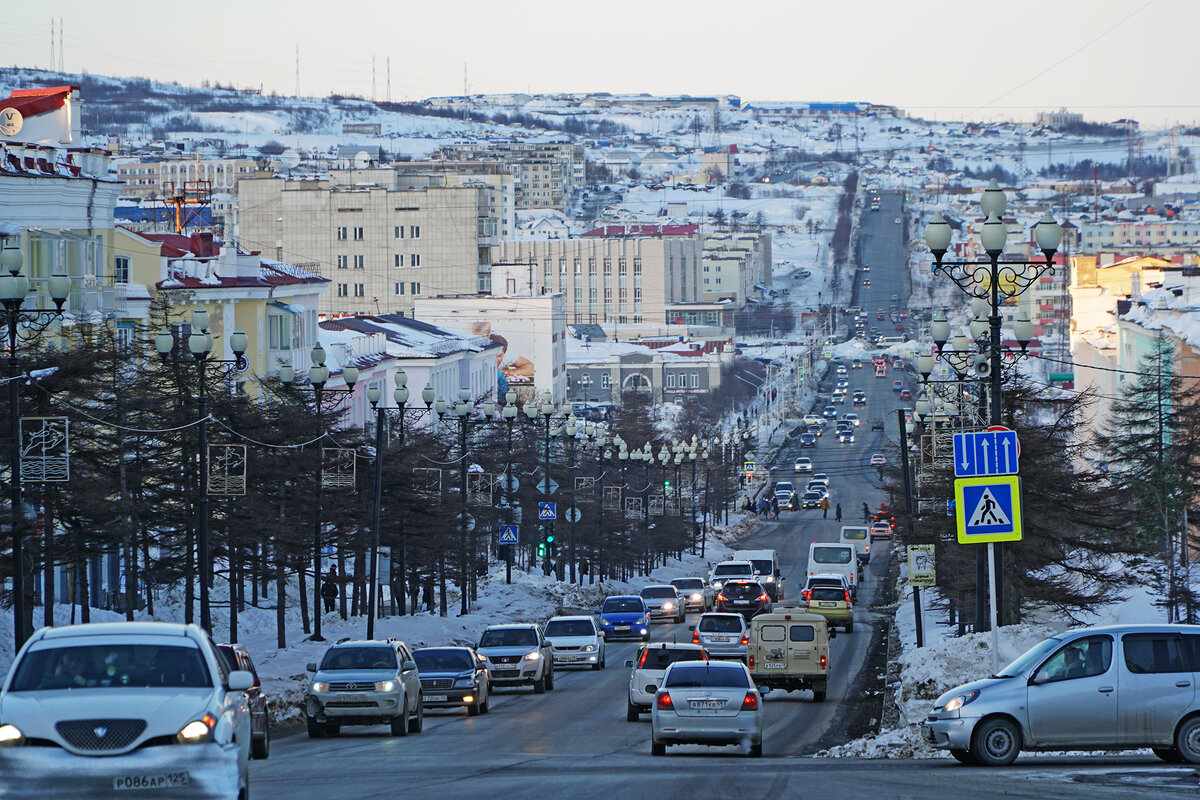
x,y
541,550
546,546
666,484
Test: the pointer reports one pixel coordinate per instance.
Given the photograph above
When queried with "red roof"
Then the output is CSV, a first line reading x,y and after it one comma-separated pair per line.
x,y
31,102
644,229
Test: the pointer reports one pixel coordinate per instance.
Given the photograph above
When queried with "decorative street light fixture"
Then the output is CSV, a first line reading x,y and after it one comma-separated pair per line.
x,y
14,292
400,395
200,344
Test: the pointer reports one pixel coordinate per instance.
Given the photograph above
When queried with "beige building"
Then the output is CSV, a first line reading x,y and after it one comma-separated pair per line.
x,y
147,179
621,279
382,238
545,173
502,196
733,264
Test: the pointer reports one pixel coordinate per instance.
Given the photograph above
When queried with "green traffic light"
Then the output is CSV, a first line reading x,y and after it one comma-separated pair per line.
x,y
541,550
549,538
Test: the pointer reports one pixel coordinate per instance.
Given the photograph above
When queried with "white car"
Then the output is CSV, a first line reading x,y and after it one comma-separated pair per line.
x,y
878,459
852,419
575,642
803,464
663,602
729,571
646,671
696,594
707,702
813,419
94,710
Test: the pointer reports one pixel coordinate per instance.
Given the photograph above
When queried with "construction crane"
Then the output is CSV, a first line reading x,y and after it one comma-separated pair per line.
x,y
187,200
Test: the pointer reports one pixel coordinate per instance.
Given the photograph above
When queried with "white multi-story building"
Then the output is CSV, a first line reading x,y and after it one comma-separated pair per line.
x,y
546,173
733,265
154,178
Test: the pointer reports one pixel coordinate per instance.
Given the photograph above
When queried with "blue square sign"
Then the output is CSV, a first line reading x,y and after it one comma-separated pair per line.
x,y
547,511
988,509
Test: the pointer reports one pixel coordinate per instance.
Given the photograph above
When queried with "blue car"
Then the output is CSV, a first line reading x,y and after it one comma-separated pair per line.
x,y
624,617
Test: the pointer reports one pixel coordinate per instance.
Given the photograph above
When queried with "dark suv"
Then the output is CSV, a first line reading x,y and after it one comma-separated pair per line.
x,y
238,657
747,598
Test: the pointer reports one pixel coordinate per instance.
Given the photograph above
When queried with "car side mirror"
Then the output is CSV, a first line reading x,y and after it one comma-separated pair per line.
x,y
240,680
312,667
408,666
778,574
691,627
629,663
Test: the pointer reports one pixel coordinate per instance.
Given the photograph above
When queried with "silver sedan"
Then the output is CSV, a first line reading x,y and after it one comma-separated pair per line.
x,y
709,703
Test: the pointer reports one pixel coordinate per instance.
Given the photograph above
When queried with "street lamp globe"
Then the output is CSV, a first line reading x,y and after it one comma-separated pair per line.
x,y
400,393
318,374
937,235
510,411
1049,234
164,341
464,394
60,289
921,409
11,259
373,395
200,343
439,407
1023,329
980,307
287,374
994,235
200,319
350,375
939,329
489,409
993,202
979,328
924,365
317,356
427,395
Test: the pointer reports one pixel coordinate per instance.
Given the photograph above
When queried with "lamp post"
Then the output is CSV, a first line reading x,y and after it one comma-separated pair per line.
x,y
14,291
983,281
509,413
200,343
318,376
462,410
400,395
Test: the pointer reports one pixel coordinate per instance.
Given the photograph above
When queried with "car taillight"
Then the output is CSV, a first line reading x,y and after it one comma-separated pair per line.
x,y
806,593
721,597
823,662
745,638
663,701
642,660
750,703
762,598
847,597
695,637
751,662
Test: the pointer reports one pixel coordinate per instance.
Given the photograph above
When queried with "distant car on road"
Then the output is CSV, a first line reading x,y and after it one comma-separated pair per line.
x,y
897,385
808,440
845,437
829,412
238,657
453,677
722,635
877,459
803,464
905,394
881,530
624,617
876,424
811,500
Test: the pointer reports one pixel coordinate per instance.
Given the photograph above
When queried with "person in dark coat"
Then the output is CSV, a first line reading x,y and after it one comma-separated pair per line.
x,y
838,512
427,594
330,591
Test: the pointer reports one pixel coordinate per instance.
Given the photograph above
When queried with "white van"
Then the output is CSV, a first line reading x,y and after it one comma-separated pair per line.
x,y
766,569
860,537
834,557
729,571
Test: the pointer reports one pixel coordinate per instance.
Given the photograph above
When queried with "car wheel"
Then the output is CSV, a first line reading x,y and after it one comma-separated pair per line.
x,y
417,724
963,757
1168,754
756,750
315,729
819,693
539,685
550,678
997,742
474,709
332,729
400,724
1187,740
646,636
657,748
261,748
486,705
850,626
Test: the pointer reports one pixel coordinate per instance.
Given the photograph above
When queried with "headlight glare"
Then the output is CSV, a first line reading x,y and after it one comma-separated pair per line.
x,y
11,736
318,687
958,702
534,656
385,686
668,606
589,648
197,731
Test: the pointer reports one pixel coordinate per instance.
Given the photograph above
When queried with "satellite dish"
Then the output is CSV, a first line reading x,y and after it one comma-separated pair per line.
x,y
289,160
362,160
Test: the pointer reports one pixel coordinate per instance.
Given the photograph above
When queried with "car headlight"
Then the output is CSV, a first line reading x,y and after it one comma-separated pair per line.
x,y
11,736
770,579
697,596
718,584
197,731
641,621
385,686
465,683
317,687
668,606
955,703
589,648
534,656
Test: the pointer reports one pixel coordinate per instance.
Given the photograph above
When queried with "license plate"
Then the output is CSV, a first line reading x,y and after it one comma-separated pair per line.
x,y
168,781
775,665
352,698
703,704
719,638
824,604
434,698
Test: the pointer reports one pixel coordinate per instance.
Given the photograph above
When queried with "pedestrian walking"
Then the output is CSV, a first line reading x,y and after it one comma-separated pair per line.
x,y
824,508
427,594
866,513
330,591
774,507
838,517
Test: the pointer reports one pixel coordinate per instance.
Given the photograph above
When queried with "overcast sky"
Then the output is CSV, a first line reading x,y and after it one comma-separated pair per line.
x,y
946,58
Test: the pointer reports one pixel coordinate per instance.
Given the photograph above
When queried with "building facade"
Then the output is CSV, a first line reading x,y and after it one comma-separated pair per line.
x,y
545,173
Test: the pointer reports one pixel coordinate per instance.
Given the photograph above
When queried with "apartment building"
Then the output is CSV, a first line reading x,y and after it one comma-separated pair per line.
x,y
382,238
1156,234
150,178
544,173
629,276
492,174
732,265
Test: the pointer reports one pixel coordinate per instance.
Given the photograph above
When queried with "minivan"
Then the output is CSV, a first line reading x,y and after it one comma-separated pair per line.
x,y
858,536
832,557
1105,688
788,649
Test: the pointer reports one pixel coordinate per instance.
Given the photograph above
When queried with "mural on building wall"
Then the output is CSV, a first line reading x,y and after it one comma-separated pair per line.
x,y
513,367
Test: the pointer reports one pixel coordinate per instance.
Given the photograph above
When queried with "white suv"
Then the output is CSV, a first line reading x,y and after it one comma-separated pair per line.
x,y
365,682
92,710
518,654
646,671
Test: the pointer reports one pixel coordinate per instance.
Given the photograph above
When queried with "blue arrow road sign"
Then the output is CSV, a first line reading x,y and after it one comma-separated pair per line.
x,y
508,534
547,511
988,509
986,453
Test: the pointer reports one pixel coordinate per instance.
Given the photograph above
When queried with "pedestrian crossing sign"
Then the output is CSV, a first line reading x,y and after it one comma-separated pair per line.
x,y
988,509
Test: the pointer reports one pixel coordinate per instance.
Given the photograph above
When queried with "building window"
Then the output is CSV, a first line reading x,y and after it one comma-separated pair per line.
x,y
414,288
343,289
637,266
414,231
608,266
279,332
562,268
670,380
695,380
121,269
398,232
343,262
414,260
358,290
592,295
341,234
359,262
358,234
126,331
578,267
398,287
637,294
621,266
605,380
591,266
398,260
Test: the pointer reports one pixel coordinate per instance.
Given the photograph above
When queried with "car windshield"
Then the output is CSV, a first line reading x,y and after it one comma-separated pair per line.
x,y
509,637
1030,657
570,627
720,624
688,584
828,593
721,677
365,657
443,659
111,666
763,566
658,592
663,657
832,555
725,570
622,605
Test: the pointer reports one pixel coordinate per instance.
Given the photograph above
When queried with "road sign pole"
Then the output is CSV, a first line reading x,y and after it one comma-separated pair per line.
x,y
995,578
918,617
